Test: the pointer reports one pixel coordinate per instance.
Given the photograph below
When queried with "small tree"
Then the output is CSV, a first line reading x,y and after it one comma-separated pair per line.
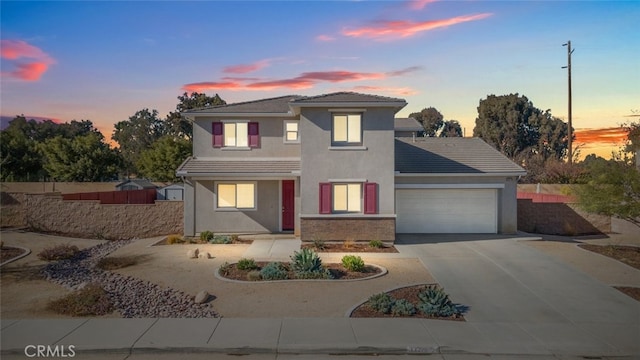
x,y
431,120
612,188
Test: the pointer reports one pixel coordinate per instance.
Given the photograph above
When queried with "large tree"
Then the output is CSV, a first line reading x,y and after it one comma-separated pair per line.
x,y
160,162
137,134
82,158
431,120
179,127
519,130
451,128
21,158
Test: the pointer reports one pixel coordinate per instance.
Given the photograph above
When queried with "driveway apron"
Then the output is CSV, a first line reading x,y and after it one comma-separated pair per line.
x,y
505,281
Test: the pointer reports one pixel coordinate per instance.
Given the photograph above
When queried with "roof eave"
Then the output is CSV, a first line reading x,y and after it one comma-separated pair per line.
x,y
479,174
236,174
238,114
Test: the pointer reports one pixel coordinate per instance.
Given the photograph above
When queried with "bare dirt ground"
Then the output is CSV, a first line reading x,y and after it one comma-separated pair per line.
x,y
169,266
25,293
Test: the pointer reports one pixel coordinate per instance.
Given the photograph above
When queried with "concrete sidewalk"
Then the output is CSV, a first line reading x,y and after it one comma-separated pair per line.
x,y
308,336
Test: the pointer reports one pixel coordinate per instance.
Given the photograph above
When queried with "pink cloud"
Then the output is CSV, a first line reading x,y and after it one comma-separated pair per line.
x,y
303,81
418,4
245,68
325,38
14,50
406,28
29,71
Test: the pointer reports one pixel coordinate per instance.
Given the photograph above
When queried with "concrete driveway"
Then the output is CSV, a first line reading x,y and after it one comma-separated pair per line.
x,y
514,289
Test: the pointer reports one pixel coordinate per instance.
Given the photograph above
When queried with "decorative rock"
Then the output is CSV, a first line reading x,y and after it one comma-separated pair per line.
x,y
205,255
201,297
193,254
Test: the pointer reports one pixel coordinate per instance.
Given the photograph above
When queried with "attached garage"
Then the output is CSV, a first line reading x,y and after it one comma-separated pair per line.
x,y
454,185
439,211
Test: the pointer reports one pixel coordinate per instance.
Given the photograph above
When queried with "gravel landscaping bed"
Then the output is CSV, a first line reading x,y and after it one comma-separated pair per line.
x,y
131,297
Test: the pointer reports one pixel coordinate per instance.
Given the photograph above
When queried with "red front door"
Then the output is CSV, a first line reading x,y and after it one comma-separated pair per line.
x,y
288,198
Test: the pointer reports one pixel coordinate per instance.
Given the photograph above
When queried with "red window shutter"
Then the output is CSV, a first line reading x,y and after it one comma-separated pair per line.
x,y
325,198
216,130
370,198
254,134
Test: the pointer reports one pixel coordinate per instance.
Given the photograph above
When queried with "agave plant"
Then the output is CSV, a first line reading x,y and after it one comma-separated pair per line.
x,y
306,260
435,302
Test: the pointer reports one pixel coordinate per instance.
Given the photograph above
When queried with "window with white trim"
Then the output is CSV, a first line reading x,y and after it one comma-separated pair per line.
x,y
346,129
291,131
347,197
236,134
240,195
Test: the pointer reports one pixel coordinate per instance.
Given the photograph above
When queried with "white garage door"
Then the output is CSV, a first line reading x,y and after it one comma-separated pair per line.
x,y
440,211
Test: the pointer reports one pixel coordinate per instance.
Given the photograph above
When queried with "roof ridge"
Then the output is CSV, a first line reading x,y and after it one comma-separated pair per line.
x,y
295,97
304,98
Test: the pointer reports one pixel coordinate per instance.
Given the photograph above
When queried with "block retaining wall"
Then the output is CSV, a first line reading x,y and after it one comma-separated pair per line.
x,y
90,219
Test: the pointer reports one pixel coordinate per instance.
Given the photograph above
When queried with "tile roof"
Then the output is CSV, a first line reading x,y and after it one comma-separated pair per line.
x,y
198,166
272,105
451,156
406,124
346,97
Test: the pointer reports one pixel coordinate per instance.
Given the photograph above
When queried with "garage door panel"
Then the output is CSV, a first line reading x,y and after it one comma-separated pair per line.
x,y
446,210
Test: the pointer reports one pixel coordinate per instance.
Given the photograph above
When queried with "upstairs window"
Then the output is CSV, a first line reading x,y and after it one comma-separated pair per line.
x,y
346,129
291,132
236,134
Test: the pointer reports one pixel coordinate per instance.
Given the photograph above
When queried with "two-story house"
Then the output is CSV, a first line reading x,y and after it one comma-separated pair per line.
x,y
333,167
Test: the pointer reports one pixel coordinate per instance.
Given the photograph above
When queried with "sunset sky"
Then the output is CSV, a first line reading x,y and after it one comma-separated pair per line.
x,y
103,61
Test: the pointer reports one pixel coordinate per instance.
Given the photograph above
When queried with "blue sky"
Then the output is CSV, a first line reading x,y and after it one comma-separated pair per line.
x,y
103,61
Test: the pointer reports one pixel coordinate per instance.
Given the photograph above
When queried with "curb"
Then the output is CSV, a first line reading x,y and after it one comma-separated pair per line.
x,y
383,272
27,252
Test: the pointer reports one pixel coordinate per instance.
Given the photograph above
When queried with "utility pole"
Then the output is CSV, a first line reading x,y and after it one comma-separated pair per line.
x,y
568,67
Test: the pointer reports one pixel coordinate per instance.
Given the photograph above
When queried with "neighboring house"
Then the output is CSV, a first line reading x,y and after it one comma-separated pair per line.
x,y
135,184
171,192
330,167
407,127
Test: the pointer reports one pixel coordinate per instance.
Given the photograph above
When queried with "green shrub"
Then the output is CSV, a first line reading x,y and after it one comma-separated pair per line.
x,y
376,244
225,269
353,263
320,274
89,301
220,239
174,239
306,260
274,271
58,252
206,235
435,302
403,307
246,264
253,275
381,302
